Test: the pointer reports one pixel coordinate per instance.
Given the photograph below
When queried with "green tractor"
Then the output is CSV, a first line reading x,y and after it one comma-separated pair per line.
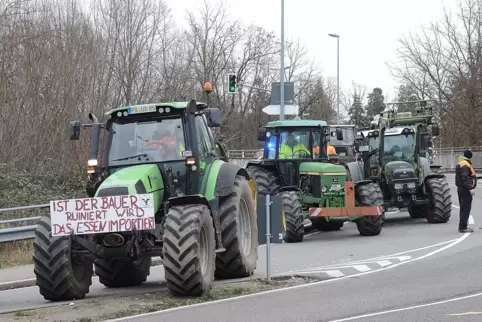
x,y
203,220
399,159
296,166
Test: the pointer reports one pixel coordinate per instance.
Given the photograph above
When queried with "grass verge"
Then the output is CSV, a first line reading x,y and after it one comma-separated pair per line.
x,y
103,309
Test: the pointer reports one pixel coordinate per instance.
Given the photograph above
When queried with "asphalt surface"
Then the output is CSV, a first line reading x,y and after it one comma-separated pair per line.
x,y
435,283
411,263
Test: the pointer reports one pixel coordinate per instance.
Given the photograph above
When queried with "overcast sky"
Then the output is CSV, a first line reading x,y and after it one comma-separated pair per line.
x,y
368,30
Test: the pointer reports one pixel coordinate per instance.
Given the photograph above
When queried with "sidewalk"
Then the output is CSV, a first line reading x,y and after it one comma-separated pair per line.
x,y
14,277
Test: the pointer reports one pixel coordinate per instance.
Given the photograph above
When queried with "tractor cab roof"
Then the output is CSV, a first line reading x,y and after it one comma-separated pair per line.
x,y
153,107
295,123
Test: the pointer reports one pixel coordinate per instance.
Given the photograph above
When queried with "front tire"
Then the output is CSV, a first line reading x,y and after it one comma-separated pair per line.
x,y
59,276
293,218
370,194
189,250
440,208
122,273
267,181
239,232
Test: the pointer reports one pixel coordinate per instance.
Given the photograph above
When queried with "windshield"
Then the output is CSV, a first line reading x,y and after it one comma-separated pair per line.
x,y
139,142
295,144
348,136
398,147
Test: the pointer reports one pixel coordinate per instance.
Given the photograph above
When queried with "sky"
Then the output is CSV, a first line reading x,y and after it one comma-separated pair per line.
x,y
368,31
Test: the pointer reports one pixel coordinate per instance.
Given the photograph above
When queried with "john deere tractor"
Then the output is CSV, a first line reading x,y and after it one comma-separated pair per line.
x,y
296,166
399,159
204,214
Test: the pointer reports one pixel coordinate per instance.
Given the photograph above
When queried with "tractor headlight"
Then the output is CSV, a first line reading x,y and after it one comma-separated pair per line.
x,y
92,163
398,186
411,185
323,189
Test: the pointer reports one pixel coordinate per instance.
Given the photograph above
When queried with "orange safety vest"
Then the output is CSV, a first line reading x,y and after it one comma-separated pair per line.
x,y
465,163
330,149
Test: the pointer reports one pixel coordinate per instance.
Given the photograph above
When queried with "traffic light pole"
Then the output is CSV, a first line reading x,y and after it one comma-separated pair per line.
x,y
282,71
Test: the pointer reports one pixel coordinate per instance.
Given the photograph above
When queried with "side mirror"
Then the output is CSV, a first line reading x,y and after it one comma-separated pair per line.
x,y
261,134
435,130
213,116
74,130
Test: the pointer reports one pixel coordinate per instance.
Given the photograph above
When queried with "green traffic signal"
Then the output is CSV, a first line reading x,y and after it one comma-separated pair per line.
x,y
232,89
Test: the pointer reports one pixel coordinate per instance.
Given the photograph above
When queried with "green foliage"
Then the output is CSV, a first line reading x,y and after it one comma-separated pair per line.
x,y
23,189
376,103
357,113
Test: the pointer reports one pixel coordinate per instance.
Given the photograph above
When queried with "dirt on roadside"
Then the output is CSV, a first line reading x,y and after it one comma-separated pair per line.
x,y
103,309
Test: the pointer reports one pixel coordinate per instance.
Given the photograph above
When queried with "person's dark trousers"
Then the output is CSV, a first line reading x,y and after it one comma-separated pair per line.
x,y
465,202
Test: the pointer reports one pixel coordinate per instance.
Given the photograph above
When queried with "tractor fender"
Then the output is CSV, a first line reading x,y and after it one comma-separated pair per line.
x,y
289,188
433,175
356,171
226,176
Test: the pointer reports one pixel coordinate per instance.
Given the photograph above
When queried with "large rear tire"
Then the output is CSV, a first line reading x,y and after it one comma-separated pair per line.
x,y
440,208
239,232
189,250
370,194
293,218
122,273
60,277
267,181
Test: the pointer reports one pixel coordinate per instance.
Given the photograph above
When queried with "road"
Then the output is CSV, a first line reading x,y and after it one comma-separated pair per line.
x,y
411,263
439,283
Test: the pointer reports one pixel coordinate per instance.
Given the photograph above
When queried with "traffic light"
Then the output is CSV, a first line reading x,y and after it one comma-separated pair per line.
x,y
232,83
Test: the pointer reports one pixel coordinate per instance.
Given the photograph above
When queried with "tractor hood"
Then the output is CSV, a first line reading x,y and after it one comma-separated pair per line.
x,y
321,168
136,179
399,170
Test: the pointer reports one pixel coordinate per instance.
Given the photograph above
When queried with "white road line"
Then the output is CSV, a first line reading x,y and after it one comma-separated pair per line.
x,y
384,263
455,242
408,308
335,273
362,268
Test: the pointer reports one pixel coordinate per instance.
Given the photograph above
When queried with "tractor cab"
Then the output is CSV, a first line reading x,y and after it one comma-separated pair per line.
x,y
153,139
289,143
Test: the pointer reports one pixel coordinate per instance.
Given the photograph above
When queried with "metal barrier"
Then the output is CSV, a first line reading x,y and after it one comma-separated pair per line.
x,y
25,232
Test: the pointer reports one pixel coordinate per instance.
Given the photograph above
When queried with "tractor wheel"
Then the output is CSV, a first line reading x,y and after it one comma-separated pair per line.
x,y
416,212
189,250
267,181
370,195
439,209
292,217
122,273
59,275
324,225
239,232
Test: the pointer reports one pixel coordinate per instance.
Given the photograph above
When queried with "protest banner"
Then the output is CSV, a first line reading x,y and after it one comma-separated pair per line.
x,y
102,214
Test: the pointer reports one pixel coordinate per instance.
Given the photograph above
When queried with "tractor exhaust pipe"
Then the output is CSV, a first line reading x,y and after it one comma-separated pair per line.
x,y
113,240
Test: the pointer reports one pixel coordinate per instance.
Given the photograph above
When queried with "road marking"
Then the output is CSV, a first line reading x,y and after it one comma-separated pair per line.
x,y
471,219
335,273
455,242
407,308
466,313
384,263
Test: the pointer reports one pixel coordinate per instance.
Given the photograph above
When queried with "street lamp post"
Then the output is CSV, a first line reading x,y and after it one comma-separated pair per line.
x,y
337,76
282,69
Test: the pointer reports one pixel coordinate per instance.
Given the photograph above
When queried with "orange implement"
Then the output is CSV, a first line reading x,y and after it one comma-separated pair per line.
x,y
350,209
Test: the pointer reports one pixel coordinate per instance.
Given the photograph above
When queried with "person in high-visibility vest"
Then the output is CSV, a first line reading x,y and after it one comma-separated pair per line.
x,y
292,149
466,182
330,149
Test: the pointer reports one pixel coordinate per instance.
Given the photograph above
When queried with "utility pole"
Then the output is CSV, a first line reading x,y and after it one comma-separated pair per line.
x,y
282,69
337,76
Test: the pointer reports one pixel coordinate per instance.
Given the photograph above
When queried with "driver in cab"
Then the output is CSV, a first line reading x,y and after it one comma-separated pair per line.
x,y
293,149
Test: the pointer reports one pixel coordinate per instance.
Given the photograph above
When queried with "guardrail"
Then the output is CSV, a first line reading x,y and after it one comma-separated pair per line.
x,y
24,232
